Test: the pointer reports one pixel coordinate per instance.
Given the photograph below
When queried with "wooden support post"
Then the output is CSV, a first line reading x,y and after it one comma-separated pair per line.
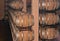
x,y
35,13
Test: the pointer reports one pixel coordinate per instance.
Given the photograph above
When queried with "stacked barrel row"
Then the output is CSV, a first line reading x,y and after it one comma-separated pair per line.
x,y
21,22
48,19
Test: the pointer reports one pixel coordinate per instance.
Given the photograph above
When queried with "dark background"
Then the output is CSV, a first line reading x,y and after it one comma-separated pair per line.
x,y
5,34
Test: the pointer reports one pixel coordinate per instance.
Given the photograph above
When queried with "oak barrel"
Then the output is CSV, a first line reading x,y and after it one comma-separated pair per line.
x,y
48,33
48,4
16,4
22,19
49,18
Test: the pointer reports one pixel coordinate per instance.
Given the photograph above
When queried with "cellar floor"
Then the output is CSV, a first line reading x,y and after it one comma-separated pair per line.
x,y
5,34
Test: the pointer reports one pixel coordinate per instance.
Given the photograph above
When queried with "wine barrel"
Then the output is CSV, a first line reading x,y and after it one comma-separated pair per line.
x,y
27,20
48,4
49,18
22,19
16,4
18,35
48,33
24,36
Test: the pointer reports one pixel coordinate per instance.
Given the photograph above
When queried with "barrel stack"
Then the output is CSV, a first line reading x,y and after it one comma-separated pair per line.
x,y
21,21
48,19
40,20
